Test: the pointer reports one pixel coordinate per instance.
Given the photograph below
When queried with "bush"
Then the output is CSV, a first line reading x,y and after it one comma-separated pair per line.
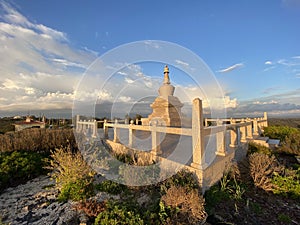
x,y
91,208
287,184
72,174
186,206
289,137
81,189
253,147
279,132
291,144
182,178
19,166
116,213
262,168
111,187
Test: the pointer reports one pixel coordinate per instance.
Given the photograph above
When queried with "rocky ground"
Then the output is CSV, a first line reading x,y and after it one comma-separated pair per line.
x,y
35,203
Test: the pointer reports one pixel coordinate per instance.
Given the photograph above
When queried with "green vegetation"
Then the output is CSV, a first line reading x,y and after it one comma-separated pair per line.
x,y
117,213
20,166
284,218
287,184
289,137
253,147
290,122
239,196
111,187
170,202
279,132
80,189
72,174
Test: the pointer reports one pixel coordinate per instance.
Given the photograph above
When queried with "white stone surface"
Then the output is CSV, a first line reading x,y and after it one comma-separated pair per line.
x,y
33,203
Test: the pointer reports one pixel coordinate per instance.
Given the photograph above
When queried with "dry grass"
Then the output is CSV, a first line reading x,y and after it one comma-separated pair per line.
x,y
189,202
40,140
262,167
68,167
91,207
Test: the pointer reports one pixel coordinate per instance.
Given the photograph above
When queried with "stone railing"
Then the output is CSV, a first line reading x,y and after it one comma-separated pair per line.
x,y
86,126
240,131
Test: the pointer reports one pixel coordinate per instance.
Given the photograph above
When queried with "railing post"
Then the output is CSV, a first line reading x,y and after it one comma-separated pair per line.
x,y
197,135
266,118
156,150
116,132
220,136
105,128
233,135
243,131
77,123
131,135
95,129
249,129
255,128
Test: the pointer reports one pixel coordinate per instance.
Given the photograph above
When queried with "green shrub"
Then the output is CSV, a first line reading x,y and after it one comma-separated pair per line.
x,y
279,132
253,147
284,218
117,213
288,184
111,187
72,174
79,190
19,166
289,137
182,178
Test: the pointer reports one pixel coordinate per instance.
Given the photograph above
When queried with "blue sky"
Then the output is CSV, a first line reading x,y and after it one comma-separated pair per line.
x,y
252,47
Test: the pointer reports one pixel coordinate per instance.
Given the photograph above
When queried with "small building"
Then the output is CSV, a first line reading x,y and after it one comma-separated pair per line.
x,y
28,123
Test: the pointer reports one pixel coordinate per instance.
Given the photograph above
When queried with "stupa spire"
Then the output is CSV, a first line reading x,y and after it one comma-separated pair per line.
x,y
167,89
166,75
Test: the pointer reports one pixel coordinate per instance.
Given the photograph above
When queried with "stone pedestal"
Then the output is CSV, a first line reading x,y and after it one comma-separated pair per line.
x,y
166,111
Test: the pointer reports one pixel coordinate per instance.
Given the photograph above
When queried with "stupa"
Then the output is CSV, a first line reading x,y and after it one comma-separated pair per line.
x,y
166,107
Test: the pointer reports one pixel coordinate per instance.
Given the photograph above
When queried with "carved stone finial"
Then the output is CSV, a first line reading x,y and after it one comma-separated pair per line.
x,y
166,69
166,75
166,89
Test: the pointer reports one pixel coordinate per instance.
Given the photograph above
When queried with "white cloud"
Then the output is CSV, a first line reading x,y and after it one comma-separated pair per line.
x,y
268,63
67,63
128,80
125,99
230,68
180,62
230,103
122,73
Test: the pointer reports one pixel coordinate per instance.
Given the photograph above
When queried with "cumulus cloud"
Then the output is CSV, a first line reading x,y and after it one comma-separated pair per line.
x,y
268,63
231,68
38,66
